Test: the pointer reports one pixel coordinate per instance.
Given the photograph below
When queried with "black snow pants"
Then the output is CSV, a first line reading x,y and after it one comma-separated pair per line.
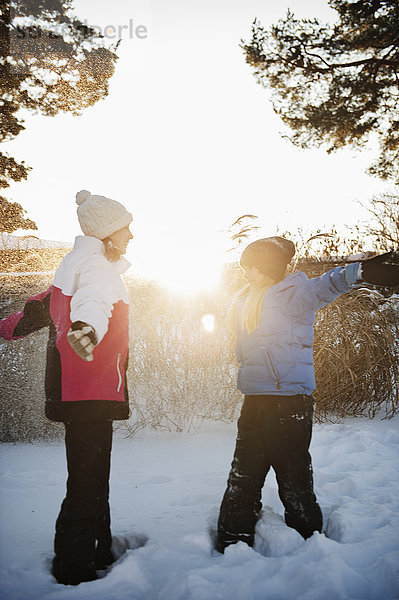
x,y
83,533
273,431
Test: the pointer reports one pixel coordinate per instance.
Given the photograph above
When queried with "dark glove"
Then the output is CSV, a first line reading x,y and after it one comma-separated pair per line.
x,y
379,272
83,339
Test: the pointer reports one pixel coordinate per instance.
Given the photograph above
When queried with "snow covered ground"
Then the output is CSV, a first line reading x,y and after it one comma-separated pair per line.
x,y
169,486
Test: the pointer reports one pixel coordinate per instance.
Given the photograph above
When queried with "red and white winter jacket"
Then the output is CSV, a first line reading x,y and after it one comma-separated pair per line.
x,y
88,288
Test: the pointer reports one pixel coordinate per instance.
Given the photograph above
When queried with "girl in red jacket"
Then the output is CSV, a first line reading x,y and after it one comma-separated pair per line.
x,y
86,310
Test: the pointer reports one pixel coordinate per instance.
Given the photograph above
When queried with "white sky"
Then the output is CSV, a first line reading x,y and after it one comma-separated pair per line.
x,y
186,140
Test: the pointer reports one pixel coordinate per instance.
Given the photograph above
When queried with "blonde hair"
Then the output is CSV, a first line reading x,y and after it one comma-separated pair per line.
x,y
251,308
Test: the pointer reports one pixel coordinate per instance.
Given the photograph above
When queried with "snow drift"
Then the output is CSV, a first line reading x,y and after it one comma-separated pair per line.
x,y
168,486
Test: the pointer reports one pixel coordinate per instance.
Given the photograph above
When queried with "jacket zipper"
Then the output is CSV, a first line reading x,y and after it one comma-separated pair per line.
x,y
273,370
119,372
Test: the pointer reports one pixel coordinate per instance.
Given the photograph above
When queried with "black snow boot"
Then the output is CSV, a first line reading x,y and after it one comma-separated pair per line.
x,y
103,559
224,539
72,574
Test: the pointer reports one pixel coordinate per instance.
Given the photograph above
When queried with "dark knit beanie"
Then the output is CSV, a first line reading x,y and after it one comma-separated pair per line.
x,y
270,255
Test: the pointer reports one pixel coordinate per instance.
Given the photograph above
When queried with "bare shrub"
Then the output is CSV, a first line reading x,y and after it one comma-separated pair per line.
x,y
32,259
383,228
380,232
22,367
179,373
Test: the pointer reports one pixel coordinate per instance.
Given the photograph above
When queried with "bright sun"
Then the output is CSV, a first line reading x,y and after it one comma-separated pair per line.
x,y
189,264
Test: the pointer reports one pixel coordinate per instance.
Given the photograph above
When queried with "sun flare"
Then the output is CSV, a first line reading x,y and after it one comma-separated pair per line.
x,y
208,322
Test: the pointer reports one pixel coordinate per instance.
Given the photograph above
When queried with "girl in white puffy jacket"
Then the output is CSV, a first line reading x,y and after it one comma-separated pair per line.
x,y
86,310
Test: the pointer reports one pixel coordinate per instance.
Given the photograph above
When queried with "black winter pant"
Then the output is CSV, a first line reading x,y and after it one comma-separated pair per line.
x,y
83,534
273,431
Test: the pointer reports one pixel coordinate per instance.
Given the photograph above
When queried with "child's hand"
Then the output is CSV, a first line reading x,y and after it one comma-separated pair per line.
x,y
378,271
82,340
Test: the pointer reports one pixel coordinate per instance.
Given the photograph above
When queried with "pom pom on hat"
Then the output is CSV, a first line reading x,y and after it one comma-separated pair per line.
x,y
99,216
82,196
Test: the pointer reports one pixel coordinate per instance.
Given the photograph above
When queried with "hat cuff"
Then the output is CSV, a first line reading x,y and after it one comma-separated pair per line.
x,y
122,222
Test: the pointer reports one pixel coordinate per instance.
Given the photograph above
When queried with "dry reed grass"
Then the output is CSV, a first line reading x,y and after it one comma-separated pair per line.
x,y
180,374
356,354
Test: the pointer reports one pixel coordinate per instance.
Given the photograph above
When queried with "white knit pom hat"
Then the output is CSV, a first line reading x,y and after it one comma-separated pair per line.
x,y
100,216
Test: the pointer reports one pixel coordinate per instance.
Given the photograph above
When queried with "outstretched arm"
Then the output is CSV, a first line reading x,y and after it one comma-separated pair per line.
x,y
95,298
34,316
320,291
91,307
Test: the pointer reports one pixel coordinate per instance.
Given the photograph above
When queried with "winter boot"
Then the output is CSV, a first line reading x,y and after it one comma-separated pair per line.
x,y
72,574
103,559
224,539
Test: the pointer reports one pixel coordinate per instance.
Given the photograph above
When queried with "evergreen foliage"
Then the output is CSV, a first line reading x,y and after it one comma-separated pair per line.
x,y
12,217
335,85
50,62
